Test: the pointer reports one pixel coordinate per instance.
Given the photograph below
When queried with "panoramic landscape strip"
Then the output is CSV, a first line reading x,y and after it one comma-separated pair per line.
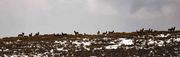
x,y
142,43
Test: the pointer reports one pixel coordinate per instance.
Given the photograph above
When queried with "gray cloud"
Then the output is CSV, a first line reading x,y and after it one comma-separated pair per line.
x,y
49,16
150,5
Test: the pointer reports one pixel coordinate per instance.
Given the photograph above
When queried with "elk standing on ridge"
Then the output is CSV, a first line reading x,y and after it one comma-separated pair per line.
x,y
172,29
64,34
30,35
104,33
21,35
98,32
76,33
36,34
111,32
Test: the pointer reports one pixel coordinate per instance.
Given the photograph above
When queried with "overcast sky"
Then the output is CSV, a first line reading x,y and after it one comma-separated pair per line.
x,y
56,16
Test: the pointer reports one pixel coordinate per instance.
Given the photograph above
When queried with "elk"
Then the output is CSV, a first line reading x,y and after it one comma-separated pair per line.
x,y
98,32
148,31
76,33
85,34
58,34
36,34
111,32
172,29
63,34
104,33
30,35
21,35
142,30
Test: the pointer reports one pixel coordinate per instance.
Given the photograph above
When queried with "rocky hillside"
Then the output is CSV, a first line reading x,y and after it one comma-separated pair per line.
x,y
143,43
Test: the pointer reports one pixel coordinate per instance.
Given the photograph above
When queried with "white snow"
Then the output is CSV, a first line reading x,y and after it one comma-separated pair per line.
x,y
14,56
60,42
112,43
86,43
77,43
125,41
168,41
81,42
38,55
98,48
161,43
177,40
86,48
59,49
51,50
6,50
112,47
162,35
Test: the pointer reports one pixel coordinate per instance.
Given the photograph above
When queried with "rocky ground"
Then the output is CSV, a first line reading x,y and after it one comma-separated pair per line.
x,y
102,45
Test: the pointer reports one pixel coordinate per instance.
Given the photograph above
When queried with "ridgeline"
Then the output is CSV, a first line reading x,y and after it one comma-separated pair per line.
x,y
142,43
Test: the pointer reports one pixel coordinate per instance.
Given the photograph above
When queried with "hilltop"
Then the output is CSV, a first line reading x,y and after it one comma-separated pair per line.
x,y
151,43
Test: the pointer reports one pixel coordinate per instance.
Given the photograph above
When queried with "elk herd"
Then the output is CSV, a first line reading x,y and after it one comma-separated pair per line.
x,y
63,34
30,35
141,31
172,29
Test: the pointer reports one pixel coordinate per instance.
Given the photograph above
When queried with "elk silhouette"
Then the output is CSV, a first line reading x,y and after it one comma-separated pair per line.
x,y
104,33
30,35
64,34
21,35
36,34
76,33
111,32
98,32
172,29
